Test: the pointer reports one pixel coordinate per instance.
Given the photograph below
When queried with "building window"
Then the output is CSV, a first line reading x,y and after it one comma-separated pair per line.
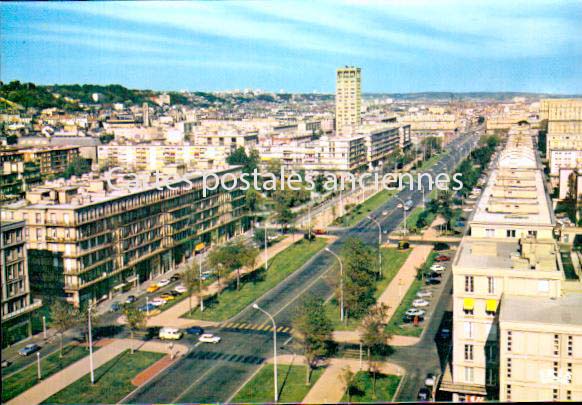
x,y
556,345
491,285
570,346
468,327
469,374
491,376
490,233
469,284
556,371
508,392
509,340
510,233
469,352
568,395
508,368
555,395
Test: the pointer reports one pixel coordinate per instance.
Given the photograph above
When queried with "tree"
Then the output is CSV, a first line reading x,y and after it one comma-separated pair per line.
x,y
63,318
284,216
348,379
136,320
77,167
232,257
240,158
359,264
82,318
193,284
312,328
374,337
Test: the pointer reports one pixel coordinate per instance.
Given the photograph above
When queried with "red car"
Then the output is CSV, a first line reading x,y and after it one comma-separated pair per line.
x,y
442,258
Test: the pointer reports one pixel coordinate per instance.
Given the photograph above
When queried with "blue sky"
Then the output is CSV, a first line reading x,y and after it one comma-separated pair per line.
x,y
402,46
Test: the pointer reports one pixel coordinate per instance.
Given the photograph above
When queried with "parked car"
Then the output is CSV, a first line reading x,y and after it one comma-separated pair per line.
x,y
438,267
432,281
181,289
157,302
430,380
116,306
384,213
167,297
403,245
163,282
148,307
130,299
415,312
174,293
153,288
419,302
175,277
6,363
209,338
29,349
194,330
434,274
424,294
410,319
424,394
170,334
442,258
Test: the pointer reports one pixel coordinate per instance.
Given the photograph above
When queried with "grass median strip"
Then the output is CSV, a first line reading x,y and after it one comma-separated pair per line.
x,y
113,380
291,380
363,391
231,301
392,261
361,211
17,383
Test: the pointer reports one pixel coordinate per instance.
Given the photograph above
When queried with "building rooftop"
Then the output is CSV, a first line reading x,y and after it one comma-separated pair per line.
x,y
561,311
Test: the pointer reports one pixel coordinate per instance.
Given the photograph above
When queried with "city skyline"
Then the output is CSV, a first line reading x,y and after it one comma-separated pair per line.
x,y
403,47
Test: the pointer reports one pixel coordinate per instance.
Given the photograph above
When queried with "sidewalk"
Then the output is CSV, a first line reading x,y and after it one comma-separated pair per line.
x,y
172,316
330,388
393,295
75,371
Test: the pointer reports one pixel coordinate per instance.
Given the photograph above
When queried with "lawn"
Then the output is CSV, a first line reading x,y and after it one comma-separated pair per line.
x,y
395,325
392,261
386,386
361,211
25,379
291,381
112,380
231,301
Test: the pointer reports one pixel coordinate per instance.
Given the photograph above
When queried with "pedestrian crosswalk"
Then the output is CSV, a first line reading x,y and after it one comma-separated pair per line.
x,y
265,327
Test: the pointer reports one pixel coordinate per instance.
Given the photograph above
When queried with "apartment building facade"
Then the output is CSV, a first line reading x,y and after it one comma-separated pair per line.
x,y
509,254
348,99
17,303
88,241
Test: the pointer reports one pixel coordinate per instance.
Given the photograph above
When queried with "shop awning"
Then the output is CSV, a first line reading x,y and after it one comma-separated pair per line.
x,y
468,304
491,305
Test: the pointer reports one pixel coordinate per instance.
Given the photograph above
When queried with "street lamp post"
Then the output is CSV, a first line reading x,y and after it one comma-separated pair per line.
x,y
341,282
200,282
256,306
90,345
266,244
148,307
38,373
379,243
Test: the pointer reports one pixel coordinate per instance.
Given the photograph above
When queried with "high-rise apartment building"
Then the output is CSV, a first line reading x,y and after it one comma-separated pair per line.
x,y
511,294
17,304
348,100
92,238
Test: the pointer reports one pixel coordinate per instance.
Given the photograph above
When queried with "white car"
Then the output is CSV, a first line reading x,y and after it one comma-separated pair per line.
x,y
385,213
170,334
181,289
209,338
164,282
430,380
424,294
157,302
415,312
420,303
438,267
